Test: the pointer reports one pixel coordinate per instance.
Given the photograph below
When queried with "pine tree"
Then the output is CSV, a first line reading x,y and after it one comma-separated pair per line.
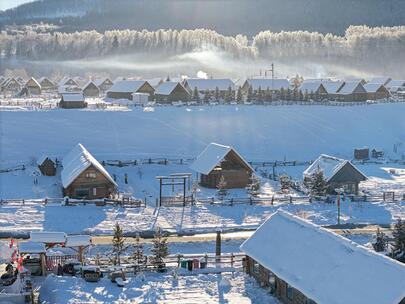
x,y
115,42
196,95
381,241
295,95
316,183
222,186
301,96
207,96
228,96
398,249
282,94
159,249
284,182
249,93
260,95
137,251
254,186
239,95
216,94
288,94
118,245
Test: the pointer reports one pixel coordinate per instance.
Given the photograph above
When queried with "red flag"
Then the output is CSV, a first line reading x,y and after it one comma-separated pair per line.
x,y
20,264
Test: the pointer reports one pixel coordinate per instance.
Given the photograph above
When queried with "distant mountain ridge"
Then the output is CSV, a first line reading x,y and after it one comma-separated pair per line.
x,y
229,17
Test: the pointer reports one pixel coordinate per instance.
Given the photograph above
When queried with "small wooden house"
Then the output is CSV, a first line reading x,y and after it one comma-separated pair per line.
x,y
90,89
218,161
170,91
274,85
313,87
84,177
47,166
125,88
338,173
302,263
351,91
33,86
67,81
103,83
46,84
376,91
72,101
10,86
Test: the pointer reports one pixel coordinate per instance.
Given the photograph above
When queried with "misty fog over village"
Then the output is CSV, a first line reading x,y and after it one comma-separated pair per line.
x,y
196,151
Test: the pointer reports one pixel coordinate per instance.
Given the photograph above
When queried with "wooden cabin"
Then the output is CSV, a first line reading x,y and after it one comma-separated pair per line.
x,y
338,173
302,263
376,91
314,87
170,91
351,91
10,86
218,161
90,89
47,166
103,83
84,177
67,81
381,80
33,86
46,84
125,88
274,85
72,101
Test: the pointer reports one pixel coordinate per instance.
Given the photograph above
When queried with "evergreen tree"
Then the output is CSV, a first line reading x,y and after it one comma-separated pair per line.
x,y
267,95
207,96
288,94
316,183
115,42
260,95
254,186
282,94
249,93
159,249
284,182
301,96
222,187
216,94
295,95
398,249
196,95
118,245
137,251
381,241
239,95
228,96
168,78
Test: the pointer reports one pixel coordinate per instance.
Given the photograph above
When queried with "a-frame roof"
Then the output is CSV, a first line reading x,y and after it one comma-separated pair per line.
x,y
212,155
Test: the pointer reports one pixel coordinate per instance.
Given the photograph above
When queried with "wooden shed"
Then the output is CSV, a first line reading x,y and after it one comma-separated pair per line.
x,y
46,84
338,173
10,86
84,177
103,83
125,88
170,91
72,101
46,165
351,91
302,263
90,89
33,86
218,161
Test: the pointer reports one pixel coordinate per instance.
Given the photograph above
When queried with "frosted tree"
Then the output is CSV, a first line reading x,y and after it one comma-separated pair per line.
x,y
239,95
260,95
196,95
118,244
137,251
249,96
316,183
398,246
159,249
216,96
222,187
284,182
228,95
381,241
207,96
254,186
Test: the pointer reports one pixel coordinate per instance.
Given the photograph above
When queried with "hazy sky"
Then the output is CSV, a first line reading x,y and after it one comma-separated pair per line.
x,y
6,4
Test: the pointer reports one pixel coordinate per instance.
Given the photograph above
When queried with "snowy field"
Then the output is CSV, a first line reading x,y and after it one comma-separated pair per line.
x,y
158,288
257,132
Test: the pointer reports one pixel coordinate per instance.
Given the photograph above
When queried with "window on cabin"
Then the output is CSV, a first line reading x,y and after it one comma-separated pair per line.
x,y
82,192
91,175
289,291
255,267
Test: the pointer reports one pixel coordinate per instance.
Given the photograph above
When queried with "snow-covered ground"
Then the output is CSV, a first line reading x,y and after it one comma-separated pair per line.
x,y
158,288
258,132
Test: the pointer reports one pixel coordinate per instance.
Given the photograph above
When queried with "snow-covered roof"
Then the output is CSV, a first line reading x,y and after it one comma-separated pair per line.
x,y
78,240
372,87
48,237
329,165
381,80
72,97
65,80
211,156
349,87
127,86
154,82
272,84
332,86
324,266
31,247
99,81
89,83
166,88
210,84
76,162
396,83
34,81
310,86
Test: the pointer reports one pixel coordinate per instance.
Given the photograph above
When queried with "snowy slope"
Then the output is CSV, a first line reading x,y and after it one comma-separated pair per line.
x,y
256,132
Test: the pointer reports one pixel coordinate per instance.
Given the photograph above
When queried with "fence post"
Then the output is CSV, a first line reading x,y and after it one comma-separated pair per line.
x,y
291,200
178,260
232,257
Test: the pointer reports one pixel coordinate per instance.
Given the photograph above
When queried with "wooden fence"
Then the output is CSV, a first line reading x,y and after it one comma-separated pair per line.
x,y
52,261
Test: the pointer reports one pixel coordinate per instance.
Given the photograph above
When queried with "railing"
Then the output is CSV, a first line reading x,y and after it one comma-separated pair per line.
x,y
52,261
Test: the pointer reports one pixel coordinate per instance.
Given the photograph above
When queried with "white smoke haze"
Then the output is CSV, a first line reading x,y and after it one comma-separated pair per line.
x,y
361,52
